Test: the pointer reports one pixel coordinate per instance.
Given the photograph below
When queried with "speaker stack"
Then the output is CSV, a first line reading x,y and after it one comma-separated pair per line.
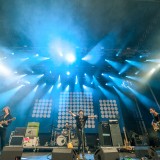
x,y
106,153
63,154
115,133
105,134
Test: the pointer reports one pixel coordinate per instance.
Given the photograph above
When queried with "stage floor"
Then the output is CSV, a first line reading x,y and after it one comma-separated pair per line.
x,y
47,156
45,153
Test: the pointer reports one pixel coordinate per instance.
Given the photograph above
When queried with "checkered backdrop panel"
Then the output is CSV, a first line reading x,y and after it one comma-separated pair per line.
x,y
74,101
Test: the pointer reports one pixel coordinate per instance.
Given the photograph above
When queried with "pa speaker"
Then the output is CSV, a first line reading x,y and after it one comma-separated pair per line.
x,y
105,134
12,153
106,153
63,153
145,151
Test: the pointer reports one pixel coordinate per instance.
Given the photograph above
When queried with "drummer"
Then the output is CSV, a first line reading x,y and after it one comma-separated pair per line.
x,y
67,126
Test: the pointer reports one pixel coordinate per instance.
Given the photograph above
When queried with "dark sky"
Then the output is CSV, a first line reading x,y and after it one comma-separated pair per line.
x,y
83,23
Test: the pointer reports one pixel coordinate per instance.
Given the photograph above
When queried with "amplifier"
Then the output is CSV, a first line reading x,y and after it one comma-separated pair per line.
x,y
16,140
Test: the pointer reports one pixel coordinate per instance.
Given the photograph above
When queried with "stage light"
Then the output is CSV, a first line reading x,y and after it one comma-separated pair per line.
x,y
36,55
70,58
85,74
12,53
58,86
50,72
152,70
102,74
4,70
39,76
67,88
68,73
35,89
24,59
76,80
84,87
50,90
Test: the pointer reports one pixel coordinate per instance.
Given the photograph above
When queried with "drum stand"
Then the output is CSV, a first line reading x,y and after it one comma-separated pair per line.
x,y
53,134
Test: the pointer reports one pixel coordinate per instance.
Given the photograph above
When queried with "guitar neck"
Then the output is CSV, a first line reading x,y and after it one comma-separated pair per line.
x,y
125,136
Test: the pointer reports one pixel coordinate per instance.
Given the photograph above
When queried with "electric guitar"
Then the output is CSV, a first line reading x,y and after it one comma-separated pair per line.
x,y
3,122
156,126
126,142
69,144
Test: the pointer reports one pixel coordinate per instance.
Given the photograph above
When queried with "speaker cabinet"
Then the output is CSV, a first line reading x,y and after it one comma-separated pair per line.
x,y
116,134
63,153
105,134
16,140
106,153
11,153
146,151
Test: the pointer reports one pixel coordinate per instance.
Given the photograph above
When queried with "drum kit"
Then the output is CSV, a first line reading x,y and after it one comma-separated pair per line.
x,y
60,137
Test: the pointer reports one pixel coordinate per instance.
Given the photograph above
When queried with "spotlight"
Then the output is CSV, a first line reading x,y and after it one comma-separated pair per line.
x,y
50,90
76,80
70,58
59,85
68,73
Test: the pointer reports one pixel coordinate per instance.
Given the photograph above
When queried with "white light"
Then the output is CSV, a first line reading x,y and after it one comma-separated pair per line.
x,y
68,73
35,89
39,76
152,71
76,80
4,70
59,85
24,59
70,58
50,90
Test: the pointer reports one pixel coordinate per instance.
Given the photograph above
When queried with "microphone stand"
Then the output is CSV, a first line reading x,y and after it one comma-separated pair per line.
x,y
83,143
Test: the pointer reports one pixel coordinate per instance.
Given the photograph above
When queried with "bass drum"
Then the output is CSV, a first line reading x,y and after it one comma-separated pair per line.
x,y
61,140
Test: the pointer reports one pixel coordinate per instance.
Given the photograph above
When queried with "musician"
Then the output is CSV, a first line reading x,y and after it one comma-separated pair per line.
x,y
80,124
4,124
156,116
67,126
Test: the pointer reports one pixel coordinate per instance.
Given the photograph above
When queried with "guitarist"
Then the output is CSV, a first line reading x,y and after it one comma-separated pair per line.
x,y
4,124
156,119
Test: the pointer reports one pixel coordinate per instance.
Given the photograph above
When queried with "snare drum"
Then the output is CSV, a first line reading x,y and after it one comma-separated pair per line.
x,y
61,140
